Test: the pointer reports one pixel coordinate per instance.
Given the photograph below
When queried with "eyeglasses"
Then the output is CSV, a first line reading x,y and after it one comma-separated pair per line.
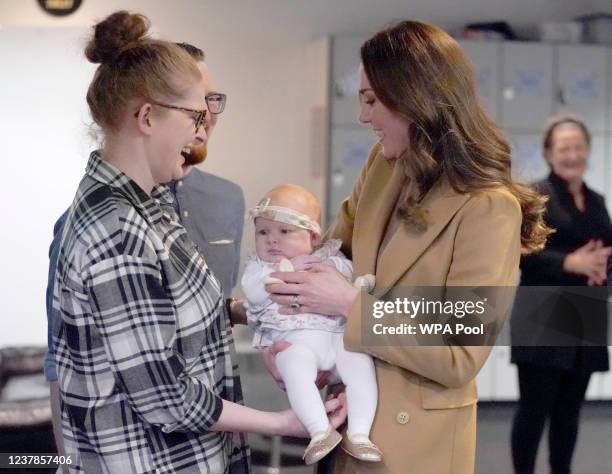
x,y
215,102
199,115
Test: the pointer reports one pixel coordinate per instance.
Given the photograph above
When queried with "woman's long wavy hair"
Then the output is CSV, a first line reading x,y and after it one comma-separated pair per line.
x,y
420,72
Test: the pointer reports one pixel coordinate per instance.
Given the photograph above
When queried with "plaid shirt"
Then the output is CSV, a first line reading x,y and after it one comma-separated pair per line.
x,y
144,350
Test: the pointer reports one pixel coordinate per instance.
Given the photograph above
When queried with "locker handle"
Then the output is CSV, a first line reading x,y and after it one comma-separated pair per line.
x,y
561,96
509,93
338,92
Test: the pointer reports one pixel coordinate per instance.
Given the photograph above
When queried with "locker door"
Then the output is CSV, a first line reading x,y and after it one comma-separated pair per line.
x,y
350,141
582,83
345,80
349,151
528,165
608,98
485,55
527,85
608,179
595,176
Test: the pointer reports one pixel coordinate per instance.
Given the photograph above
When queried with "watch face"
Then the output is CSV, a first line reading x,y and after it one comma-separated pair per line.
x,y
59,7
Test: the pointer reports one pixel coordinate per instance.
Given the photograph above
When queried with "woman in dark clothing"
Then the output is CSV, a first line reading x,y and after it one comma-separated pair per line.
x,y
553,380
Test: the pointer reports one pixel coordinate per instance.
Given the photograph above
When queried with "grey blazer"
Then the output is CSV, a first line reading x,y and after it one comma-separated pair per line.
x,y
212,211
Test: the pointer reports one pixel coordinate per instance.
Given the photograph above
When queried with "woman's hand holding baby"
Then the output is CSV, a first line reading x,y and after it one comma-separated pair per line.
x,y
335,407
322,290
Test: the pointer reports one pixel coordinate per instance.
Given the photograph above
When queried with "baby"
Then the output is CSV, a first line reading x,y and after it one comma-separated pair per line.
x,y
286,231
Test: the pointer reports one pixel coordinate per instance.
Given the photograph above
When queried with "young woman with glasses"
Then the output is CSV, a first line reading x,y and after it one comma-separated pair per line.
x,y
145,369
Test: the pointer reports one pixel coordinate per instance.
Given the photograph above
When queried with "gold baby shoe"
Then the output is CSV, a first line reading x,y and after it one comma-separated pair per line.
x,y
364,451
317,450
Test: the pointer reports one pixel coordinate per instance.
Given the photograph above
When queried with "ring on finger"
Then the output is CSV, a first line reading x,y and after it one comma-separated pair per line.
x,y
295,304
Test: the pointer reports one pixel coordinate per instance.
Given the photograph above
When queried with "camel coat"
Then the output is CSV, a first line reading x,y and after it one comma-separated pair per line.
x,y
426,417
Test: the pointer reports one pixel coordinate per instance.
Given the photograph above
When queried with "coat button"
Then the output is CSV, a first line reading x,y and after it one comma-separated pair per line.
x,y
402,417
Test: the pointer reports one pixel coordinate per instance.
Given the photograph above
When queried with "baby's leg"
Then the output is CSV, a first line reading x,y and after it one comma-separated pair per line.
x,y
298,367
357,373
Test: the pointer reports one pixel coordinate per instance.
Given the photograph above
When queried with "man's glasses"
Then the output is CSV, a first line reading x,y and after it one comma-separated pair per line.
x,y
198,115
215,102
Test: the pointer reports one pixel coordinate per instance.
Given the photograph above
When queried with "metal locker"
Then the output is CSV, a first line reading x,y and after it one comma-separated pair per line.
x,y
486,58
528,165
595,176
527,92
349,151
345,80
581,86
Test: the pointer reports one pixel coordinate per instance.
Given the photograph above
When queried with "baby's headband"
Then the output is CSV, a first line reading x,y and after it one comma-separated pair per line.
x,y
285,215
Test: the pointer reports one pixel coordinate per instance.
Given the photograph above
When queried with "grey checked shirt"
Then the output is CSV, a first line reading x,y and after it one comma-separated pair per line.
x,y
144,349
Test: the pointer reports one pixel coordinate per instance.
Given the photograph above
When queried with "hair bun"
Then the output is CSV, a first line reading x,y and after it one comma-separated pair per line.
x,y
113,34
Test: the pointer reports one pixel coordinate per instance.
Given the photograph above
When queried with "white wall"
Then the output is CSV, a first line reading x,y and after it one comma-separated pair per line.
x,y
43,127
273,81
269,56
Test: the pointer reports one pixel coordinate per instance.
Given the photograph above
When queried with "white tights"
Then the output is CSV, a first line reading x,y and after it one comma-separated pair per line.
x,y
313,350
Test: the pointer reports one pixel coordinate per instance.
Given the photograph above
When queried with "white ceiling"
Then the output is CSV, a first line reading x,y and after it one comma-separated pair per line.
x,y
316,18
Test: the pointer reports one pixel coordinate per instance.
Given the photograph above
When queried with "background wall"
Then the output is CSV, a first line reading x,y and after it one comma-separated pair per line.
x,y
270,56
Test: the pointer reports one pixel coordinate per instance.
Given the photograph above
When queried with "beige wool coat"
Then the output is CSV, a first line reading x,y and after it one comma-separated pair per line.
x,y
426,417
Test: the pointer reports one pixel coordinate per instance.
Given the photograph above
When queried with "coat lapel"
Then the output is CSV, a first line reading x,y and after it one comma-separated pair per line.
x,y
375,206
407,244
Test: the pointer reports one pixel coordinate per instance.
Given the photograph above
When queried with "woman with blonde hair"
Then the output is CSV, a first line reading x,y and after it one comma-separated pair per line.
x,y
146,373
435,206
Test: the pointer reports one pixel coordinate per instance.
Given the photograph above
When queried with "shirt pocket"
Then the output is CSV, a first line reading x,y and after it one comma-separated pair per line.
x,y
221,256
221,242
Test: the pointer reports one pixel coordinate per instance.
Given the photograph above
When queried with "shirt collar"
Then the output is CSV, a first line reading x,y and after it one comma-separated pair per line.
x,y
172,186
106,173
561,185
